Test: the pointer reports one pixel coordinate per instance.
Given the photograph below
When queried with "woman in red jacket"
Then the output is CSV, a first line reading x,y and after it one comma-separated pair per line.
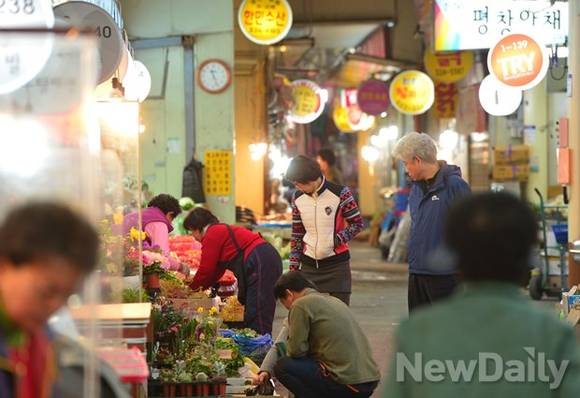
x,y
255,263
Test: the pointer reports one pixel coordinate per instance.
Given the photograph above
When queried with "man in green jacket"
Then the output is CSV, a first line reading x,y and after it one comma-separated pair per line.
x,y
328,354
487,340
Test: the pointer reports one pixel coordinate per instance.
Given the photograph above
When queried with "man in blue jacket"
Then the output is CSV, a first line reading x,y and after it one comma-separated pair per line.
x,y
435,185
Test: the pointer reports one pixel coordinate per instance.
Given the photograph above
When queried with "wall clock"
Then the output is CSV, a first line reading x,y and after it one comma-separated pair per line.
x,y
214,76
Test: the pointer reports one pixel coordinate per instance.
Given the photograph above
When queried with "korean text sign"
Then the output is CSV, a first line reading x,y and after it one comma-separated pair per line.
x,y
477,24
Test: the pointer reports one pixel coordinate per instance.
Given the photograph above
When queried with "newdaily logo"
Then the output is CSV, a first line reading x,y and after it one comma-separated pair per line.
x,y
489,367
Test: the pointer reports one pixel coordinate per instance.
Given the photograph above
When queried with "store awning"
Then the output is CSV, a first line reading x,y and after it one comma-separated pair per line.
x,y
357,68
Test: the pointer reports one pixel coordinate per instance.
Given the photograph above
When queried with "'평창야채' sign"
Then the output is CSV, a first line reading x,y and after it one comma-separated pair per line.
x,y
476,24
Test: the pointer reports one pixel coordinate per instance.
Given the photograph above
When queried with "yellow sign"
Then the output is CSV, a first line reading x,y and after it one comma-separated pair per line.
x,y
308,101
412,92
448,67
218,179
265,21
341,120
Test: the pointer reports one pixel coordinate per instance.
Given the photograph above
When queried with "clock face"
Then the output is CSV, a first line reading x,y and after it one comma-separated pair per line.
x,y
214,76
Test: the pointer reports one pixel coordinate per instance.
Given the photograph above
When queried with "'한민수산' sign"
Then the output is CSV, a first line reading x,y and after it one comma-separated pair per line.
x,y
373,97
412,92
448,67
308,101
518,61
475,24
265,22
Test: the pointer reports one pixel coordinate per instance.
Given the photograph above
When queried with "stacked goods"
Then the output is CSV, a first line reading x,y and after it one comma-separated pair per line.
x,y
511,163
184,299
232,311
187,250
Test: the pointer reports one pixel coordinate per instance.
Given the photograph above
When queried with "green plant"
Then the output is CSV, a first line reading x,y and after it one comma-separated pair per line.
x,y
237,359
154,268
134,295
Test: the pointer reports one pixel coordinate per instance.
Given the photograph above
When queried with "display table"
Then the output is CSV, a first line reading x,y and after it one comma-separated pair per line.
x,y
129,322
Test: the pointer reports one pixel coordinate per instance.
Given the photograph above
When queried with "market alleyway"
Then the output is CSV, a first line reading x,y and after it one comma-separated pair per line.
x,y
379,300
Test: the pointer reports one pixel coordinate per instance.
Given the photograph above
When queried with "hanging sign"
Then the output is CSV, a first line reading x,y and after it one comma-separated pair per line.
x,y
109,37
518,61
265,22
348,116
446,98
51,91
412,92
341,120
497,99
448,67
22,56
137,82
308,101
218,178
476,24
373,97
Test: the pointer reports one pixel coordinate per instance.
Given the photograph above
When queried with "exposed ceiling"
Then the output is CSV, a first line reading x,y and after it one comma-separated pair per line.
x,y
326,33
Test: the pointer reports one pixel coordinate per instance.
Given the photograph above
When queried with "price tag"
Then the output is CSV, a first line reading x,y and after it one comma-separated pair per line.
x,y
109,38
22,56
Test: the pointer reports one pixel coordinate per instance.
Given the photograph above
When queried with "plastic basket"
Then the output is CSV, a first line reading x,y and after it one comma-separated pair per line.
x,y
561,233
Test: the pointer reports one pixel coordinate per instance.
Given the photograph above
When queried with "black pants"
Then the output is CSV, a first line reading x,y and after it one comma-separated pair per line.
x,y
263,268
426,289
305,378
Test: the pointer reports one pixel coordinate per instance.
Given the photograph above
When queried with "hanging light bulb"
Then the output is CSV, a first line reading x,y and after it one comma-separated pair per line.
x,y
370,153
449,139
258,150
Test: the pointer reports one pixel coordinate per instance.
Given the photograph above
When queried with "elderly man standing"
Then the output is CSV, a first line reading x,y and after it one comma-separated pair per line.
x,y
435,185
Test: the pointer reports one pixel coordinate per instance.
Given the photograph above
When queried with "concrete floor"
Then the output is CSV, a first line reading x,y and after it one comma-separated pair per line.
x,y
379,300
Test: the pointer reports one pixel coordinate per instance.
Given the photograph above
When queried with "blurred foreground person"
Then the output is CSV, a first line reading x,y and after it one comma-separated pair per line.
x,y
46,251
489,339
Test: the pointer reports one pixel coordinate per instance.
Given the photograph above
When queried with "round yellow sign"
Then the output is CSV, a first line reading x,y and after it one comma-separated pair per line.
x,y
265,21
412,92
448,67
308,101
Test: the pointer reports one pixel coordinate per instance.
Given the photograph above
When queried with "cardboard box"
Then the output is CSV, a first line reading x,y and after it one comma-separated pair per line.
x,y
518,154
519,172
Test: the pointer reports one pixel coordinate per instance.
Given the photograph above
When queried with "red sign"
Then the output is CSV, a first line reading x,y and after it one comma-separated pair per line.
x,y
446,96
373,97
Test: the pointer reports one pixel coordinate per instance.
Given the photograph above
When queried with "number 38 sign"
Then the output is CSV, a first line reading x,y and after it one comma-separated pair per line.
x,y
22,56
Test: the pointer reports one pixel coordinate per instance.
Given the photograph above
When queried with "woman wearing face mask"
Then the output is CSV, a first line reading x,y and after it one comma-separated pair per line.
x,y
255,263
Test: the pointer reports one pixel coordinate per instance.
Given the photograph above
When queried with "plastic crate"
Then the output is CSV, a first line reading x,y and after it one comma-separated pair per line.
x,y
561,233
